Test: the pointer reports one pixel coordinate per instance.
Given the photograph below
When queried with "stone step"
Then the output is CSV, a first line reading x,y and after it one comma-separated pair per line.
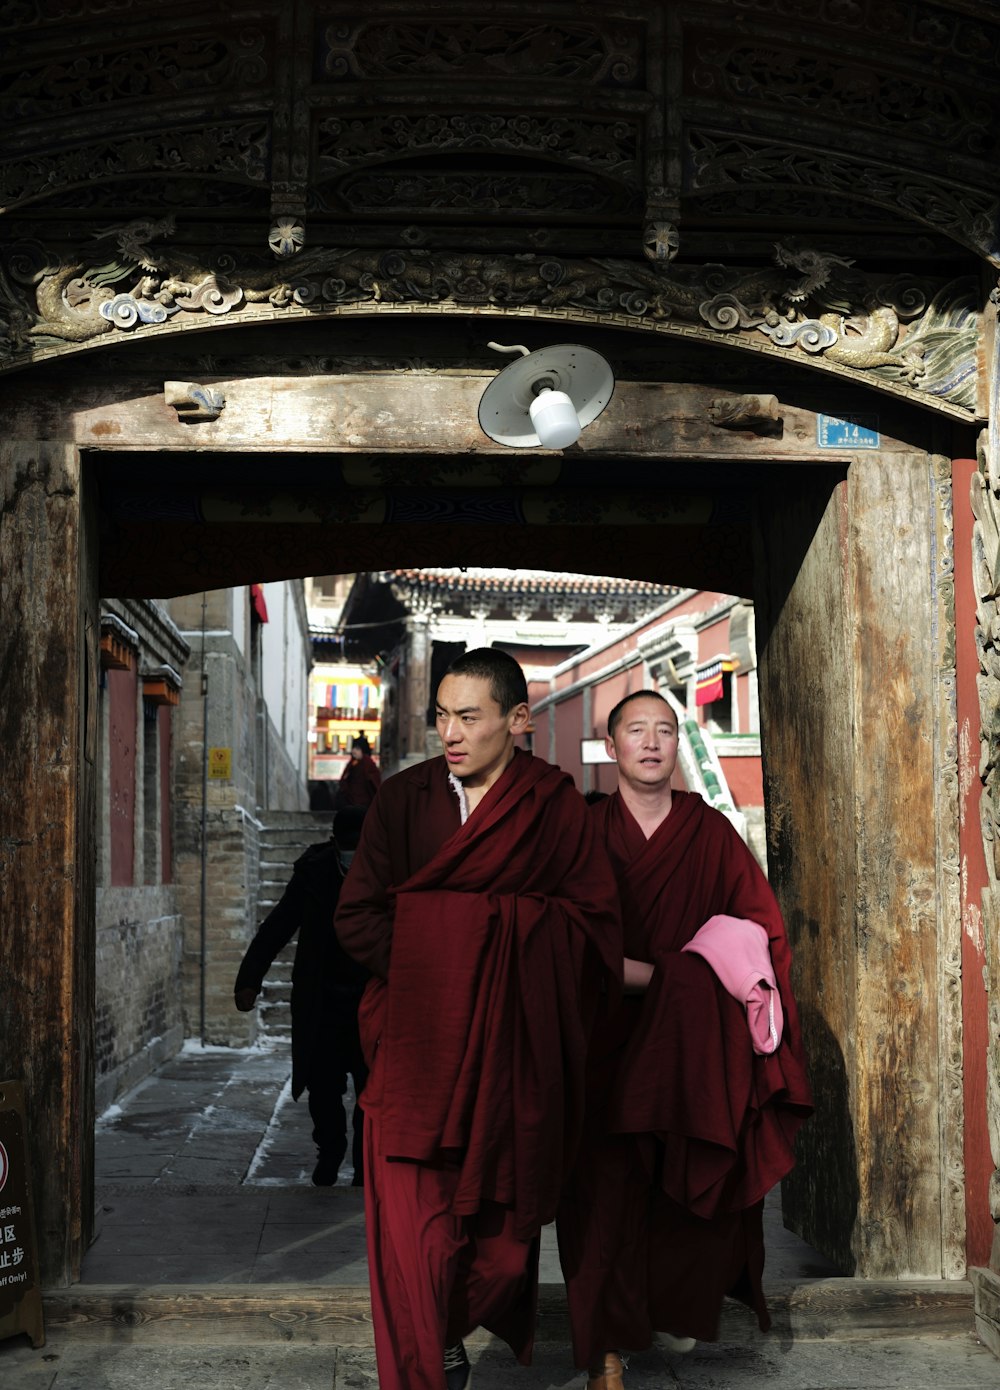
x,y
281,966
294,835
274,1015
276,864
280,819
847,1310
275,860
285,836
275,988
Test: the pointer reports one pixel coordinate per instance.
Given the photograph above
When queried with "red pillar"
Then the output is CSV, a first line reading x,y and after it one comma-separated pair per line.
x,y
975,1027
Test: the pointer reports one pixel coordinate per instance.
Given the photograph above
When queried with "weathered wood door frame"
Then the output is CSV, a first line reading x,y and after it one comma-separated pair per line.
x,y
855,540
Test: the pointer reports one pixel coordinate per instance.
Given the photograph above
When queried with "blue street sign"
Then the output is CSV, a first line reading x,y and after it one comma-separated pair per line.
x,y
849,432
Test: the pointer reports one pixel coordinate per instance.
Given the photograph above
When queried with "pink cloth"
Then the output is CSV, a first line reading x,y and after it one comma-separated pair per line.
x,y
737,951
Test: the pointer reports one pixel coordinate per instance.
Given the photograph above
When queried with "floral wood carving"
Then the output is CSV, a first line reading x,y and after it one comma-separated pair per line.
x,y
901,332
921,24
234,150
971,217
825,88
194,401
93,81
409,193
488,48
608,145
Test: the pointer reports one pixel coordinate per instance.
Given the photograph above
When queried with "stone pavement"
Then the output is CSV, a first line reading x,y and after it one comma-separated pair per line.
x,y
218,1265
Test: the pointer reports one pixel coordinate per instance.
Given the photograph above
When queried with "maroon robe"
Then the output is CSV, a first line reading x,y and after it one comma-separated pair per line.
x,y
359,783
688,1127
490,943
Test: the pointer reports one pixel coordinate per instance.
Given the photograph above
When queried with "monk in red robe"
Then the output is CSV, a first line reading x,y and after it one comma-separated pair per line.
x,y
688,1126
483,902
360,780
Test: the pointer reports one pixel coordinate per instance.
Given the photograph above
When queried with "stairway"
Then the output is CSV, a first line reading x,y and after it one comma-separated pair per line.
x,y
434,747
285,835
703,772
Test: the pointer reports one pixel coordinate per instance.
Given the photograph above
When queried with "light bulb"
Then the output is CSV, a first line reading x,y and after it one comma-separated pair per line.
x,y
554,419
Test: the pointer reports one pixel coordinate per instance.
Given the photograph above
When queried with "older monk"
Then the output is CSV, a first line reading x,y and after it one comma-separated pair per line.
x,y
696,1084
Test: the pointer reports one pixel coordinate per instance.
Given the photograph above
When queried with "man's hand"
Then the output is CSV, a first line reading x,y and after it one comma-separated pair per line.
x,y
245,999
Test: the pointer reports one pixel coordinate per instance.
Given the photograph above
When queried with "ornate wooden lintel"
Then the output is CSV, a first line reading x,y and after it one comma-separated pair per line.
x,y
758,414
193,401
901,334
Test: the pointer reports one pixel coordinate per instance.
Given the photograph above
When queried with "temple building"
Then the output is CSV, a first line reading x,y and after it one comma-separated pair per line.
x,y
416,621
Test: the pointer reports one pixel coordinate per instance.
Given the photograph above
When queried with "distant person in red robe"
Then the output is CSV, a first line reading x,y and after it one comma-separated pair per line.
x,y
694,1092
360,780
483,903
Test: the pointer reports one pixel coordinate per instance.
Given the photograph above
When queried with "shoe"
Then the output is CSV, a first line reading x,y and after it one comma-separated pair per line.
x,y
326,1170
680,1345
612,1376
457,1371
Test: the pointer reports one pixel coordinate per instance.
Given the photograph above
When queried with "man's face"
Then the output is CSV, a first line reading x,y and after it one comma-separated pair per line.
x,y
644,744
478,738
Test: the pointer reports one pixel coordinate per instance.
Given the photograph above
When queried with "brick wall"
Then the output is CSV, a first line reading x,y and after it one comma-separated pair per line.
x,y
231,896
262,773
139,1016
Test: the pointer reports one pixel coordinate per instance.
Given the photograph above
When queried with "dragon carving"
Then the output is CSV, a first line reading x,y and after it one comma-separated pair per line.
x,y
809,300
866,343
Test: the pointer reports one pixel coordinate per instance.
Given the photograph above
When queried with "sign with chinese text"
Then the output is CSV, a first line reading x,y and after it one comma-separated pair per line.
x,y
20,1291
220,764
847,432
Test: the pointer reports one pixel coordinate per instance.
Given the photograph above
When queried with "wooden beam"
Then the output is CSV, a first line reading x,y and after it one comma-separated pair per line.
x,y
48,659
410,413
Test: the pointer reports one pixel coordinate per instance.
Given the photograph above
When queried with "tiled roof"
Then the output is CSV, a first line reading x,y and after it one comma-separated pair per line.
x,y
514,581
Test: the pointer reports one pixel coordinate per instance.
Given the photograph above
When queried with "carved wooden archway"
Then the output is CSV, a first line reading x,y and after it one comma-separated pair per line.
x,y
694,174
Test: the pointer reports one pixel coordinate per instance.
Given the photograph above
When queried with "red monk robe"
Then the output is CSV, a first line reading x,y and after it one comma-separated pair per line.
x,y
687,1126
491,943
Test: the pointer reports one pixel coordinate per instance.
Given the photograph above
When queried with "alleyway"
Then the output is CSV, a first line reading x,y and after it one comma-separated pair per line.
x,y
218,1265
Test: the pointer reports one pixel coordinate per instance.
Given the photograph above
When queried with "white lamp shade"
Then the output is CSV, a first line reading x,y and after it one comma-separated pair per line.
x,y
555,420
580,384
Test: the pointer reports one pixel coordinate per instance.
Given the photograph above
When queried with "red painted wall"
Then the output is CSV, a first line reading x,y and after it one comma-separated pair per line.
x,y
166,839
122,716
978,1161
746,780
569,721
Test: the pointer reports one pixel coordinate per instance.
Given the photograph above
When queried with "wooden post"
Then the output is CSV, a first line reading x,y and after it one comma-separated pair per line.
x,y
862,798
418,677
20,1286
48,661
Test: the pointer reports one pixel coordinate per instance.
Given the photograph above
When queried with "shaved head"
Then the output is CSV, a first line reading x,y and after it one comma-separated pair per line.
x,y
619,709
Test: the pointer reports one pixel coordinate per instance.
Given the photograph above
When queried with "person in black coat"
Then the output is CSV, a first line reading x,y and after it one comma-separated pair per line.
x,y
326,990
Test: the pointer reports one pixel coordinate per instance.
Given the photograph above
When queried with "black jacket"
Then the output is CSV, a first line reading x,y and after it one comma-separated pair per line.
x,y
326,983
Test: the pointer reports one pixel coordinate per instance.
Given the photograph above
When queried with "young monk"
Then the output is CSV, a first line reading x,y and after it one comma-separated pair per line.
x,y
694,1093
483,903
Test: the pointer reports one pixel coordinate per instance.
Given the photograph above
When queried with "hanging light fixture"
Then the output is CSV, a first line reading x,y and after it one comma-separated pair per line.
x,y
547,397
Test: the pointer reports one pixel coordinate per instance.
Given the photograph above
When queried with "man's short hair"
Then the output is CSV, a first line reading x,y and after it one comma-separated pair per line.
x,y
507,684
616,713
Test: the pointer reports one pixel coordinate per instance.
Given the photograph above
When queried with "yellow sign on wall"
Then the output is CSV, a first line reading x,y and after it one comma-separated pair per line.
x,y
220,764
